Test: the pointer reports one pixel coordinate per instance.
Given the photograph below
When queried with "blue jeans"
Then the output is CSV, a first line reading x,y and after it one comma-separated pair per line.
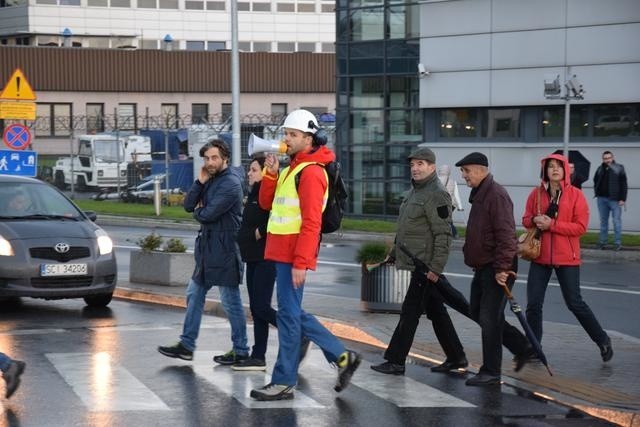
x,y
232,305
261,276
293,324
569,279
5,361
606,206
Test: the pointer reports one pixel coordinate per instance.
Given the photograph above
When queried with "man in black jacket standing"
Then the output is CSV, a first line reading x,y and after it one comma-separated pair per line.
x,y
610,186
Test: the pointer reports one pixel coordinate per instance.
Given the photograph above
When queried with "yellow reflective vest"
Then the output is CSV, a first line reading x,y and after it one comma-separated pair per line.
x,y
286,217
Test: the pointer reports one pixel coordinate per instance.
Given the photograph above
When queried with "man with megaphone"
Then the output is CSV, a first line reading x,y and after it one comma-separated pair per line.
x,y
293,237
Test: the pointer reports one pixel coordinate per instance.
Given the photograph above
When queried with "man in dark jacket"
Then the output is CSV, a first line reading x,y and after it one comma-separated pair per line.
x,y
424,228
215,199
610,186
490,249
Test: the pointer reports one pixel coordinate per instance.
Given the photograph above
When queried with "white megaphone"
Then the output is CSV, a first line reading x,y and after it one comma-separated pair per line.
x,y
259,145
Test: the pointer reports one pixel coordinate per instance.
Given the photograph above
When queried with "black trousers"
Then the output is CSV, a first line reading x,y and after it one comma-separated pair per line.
x,y
423,297
488,302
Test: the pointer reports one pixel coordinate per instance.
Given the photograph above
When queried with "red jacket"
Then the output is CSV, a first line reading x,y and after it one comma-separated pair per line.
x,y
301,249
560,245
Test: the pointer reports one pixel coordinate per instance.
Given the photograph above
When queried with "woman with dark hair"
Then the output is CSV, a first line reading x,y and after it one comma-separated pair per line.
x,y
560,211
261,274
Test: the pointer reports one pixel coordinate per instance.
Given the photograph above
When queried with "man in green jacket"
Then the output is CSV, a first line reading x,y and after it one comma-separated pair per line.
x,y
424,228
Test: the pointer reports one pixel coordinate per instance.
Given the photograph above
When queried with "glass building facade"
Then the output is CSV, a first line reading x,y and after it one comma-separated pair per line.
x,y
377,106
379,119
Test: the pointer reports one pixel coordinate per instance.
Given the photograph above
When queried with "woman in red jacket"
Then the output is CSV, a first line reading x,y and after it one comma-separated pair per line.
x,y
561,213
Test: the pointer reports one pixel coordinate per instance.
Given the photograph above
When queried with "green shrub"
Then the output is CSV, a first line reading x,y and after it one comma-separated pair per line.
x,y
150,242
175,245
372,252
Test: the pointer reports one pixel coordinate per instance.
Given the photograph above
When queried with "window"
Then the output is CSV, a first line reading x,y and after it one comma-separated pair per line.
x,y
261,46
366,92
367,24
306,7
149,44
244,6
193,5
328,47
120,3
327,8
306,47
616,120
199,113
226,111
211,45
286,7
95,118
278,112
286,46
500,122
97,3
553,122
148,4
195,45
262,7
169,114
244,46
53,119
69,2
458,123
216,5
168,4
127,117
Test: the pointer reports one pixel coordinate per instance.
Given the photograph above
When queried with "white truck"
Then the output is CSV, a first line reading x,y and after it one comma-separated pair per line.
x,y
101,162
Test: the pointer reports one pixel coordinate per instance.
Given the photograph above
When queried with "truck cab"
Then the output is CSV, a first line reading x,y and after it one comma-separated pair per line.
x,y
101,161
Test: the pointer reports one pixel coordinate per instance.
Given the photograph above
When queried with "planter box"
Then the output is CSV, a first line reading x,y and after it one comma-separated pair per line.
x,y
161,268
383,289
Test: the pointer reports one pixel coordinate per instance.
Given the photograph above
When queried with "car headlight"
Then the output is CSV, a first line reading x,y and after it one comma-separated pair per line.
x,y
5,247
105,244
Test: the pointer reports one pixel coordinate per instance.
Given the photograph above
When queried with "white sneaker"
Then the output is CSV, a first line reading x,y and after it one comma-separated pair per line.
x,y
273,392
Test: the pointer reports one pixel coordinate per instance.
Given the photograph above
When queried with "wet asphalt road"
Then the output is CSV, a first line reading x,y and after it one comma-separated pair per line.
x,y
101,368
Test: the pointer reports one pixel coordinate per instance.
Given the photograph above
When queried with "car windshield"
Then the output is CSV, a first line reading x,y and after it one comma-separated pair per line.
x,y
26,200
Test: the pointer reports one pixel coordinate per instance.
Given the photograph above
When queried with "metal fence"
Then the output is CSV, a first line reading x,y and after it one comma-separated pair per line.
x,y
49,129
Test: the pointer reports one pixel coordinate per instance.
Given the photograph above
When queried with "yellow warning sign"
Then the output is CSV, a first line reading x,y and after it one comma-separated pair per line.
x,y
18,110
18,88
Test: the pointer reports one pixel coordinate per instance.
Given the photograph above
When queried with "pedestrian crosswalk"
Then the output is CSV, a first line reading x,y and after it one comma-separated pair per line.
x,y
105,385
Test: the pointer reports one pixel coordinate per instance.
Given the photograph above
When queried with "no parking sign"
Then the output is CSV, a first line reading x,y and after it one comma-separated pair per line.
x,y
17,136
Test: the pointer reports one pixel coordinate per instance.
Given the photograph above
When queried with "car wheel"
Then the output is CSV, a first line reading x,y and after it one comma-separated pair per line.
x,y
101,300
58,180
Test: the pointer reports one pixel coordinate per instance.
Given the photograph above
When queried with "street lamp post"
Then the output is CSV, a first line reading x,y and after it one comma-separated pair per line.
x,y
573,90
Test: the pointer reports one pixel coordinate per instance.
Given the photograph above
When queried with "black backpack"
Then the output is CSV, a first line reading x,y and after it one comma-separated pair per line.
x,y
337,200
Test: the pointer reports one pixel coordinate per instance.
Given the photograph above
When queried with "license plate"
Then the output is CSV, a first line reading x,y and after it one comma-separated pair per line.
x,y
63,269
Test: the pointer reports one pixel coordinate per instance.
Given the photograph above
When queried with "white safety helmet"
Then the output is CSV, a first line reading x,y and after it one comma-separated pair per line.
x,y
301,120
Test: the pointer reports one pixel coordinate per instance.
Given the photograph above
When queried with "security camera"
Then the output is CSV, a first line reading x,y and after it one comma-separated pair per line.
x,y
422,71
574,87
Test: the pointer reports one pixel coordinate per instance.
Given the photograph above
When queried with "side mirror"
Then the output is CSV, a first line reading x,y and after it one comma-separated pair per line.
x,y
91,215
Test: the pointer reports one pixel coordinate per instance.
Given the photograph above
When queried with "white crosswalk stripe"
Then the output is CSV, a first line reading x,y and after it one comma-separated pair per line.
x,y
239,384
400,390
103,385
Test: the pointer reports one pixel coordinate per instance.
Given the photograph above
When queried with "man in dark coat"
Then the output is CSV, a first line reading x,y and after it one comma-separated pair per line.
x,y
215,199
490,249
610,186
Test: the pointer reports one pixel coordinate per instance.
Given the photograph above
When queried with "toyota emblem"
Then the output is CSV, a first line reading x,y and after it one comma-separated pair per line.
x,y
62,248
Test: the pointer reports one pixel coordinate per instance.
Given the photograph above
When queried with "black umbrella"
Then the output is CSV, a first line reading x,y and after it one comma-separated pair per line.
x,y
581,165
515,308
